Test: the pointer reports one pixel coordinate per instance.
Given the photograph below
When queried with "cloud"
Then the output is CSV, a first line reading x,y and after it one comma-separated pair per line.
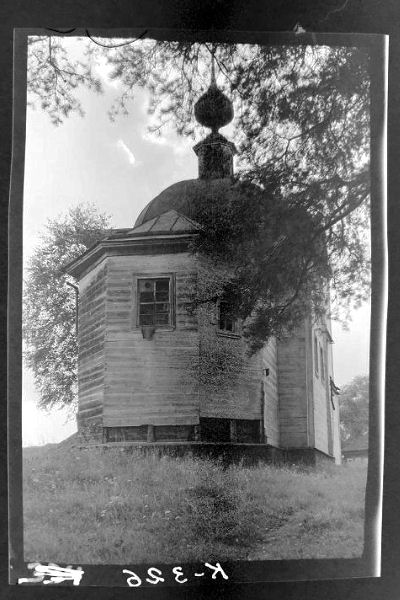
x,y
178,145
128,153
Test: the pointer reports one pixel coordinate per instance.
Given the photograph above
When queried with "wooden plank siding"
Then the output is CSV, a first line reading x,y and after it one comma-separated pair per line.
x,y
91,327
242,400
238,395
326,420
337,448
270,388
128,381
291,353
149,382
154,381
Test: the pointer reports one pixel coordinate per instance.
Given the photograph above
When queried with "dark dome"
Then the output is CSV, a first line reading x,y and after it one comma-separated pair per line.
x,y
213,109
184,197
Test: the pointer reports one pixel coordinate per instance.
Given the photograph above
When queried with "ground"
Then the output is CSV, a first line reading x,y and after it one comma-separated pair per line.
x,y
114,507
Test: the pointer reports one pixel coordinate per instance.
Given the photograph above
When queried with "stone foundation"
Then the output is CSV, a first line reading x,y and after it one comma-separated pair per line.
x,y
90,432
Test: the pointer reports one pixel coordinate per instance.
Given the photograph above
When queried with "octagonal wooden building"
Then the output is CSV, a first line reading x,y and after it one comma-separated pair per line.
x,y
140,344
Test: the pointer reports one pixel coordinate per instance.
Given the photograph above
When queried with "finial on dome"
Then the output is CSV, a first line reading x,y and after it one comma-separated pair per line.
x,y
213,80
213,109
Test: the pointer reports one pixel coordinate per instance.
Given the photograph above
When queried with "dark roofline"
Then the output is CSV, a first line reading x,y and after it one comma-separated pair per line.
x,y
113,246
118,232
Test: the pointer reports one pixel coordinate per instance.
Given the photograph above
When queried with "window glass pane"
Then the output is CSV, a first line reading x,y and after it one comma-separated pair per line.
x,y
162,319
226,319
162,285
162,296
162,307
146,285
162,290
154,301
146,320
227,325
146,309
146,297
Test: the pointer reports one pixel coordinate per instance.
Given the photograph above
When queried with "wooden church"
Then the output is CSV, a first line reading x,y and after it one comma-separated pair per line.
x,y
138,341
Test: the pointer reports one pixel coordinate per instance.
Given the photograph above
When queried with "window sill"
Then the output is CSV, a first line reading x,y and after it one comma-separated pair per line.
x,y
228,334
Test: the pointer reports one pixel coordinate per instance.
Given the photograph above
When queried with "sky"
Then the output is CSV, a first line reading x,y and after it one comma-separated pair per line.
x,y
119,166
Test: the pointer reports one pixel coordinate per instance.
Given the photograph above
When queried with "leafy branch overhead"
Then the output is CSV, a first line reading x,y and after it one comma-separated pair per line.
x,y
53,78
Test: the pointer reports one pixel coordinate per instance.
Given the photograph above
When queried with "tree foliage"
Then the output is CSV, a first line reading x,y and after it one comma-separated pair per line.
x,y
264,258
54,77
49,304
354,408
304,143
218,363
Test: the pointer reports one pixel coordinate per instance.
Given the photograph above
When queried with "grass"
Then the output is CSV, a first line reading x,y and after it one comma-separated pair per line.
x,y
113,507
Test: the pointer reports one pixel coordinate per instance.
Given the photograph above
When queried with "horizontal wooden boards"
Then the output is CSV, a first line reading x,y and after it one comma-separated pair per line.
x,y
92,321
296,439
292,389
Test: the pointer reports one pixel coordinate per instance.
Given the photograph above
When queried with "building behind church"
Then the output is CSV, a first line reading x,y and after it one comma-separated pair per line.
x,y
139,342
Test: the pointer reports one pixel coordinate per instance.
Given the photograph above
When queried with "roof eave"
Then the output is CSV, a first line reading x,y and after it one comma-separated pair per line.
x,y
76,267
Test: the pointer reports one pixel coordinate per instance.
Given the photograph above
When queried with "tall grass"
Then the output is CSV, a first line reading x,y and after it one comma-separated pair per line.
x,y
110,506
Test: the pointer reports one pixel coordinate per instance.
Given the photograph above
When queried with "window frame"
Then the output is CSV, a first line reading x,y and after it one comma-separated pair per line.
x,y
235,322
172,298
322,362
316,356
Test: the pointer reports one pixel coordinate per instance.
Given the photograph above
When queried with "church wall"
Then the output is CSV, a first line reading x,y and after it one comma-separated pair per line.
x,y
240,397
293,393
154,381
127,381
91,328
271,400
337,450
237,392
148,381
323,411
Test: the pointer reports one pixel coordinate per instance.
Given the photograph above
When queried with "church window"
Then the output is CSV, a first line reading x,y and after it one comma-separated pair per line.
x,y
226,320
316,355
322,363
154,300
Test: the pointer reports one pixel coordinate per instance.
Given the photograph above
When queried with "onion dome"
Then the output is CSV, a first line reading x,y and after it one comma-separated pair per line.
x,y
213,109
215,153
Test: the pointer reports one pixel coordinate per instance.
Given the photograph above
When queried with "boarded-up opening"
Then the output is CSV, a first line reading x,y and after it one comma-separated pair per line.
x,y
221,430
170,433
126,434
212,430
248,431
215,430
140,433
